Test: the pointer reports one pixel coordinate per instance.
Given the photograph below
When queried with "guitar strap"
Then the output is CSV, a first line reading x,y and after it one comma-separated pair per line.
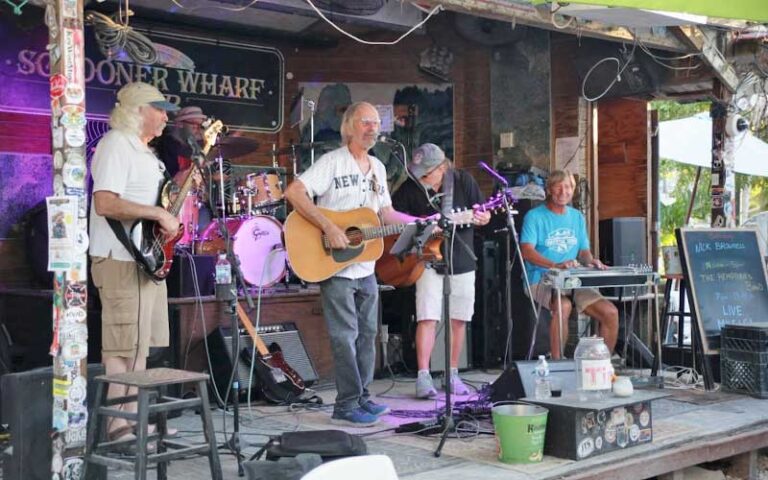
x,y
122,235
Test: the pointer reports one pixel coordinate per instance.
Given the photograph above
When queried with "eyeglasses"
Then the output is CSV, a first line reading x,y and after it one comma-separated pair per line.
x,y
370,122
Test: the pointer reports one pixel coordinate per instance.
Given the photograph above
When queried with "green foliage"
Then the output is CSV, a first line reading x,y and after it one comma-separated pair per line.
x,y
673,110
673,215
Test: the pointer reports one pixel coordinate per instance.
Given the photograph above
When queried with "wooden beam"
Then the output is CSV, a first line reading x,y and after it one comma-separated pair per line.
x,y
524,14
704,41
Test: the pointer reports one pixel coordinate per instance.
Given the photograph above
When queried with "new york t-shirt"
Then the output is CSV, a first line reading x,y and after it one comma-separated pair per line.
x,y
337,183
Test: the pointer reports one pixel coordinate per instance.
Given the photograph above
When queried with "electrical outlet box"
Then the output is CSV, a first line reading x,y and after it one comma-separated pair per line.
x,y
507,139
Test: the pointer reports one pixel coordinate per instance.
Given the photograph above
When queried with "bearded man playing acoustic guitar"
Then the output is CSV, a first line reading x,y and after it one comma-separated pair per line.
x,y
429,166
345,179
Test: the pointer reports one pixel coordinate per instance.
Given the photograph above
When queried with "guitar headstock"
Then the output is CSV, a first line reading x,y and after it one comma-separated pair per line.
x,y
210,134
494,204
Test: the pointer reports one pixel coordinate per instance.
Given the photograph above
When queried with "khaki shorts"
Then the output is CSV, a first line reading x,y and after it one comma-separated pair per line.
x,y
429,296
124,290
582,297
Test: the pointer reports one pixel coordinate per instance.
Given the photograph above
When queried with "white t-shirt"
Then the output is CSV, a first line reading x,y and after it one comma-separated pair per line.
x,y
337,182
122,164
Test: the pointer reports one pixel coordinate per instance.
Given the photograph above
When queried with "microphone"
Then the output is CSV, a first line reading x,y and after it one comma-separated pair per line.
x,y
494,174
387,140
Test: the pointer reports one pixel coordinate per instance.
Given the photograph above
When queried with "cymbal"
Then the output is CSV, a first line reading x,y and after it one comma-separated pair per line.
x,y
232,147
297,146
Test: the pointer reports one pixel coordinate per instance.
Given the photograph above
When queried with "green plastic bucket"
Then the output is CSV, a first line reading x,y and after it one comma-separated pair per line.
x,y
520,430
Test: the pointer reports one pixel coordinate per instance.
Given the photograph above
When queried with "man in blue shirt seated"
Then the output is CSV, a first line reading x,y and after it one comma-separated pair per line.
x,y
555,236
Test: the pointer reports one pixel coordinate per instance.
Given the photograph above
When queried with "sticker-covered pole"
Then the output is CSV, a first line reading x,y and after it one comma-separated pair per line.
x,y
67,236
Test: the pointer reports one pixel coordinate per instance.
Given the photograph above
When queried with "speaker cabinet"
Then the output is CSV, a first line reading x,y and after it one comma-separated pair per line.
x,y
27,408
188,268
285,335
518,381
622,241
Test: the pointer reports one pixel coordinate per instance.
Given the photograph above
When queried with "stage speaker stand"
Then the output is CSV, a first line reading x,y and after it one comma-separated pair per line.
x,y
518,380
490,328
27,408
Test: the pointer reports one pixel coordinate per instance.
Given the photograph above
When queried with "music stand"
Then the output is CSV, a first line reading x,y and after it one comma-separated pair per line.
x,y
413,239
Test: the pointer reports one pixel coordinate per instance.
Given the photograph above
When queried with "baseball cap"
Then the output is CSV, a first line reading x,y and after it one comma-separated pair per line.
x,y
137,94
425,158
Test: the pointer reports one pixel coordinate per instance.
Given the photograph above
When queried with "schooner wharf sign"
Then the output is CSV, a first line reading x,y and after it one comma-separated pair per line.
x,y
238,83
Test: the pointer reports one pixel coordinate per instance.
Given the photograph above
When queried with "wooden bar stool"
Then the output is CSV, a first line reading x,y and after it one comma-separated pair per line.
x,y
150,402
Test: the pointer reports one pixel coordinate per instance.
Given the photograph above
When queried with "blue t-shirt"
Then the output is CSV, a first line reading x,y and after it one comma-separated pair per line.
x,y
558,237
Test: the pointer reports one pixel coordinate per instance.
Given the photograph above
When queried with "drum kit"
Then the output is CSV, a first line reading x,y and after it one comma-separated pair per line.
x,y
252,200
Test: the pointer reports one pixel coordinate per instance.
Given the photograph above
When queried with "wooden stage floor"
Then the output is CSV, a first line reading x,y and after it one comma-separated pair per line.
x,y
690,428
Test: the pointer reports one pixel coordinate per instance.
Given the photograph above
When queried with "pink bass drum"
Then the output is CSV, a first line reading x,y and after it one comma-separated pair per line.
x,y
258,244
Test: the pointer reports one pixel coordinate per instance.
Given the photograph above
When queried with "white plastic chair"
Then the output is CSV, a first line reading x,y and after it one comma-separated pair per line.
x,y
369,467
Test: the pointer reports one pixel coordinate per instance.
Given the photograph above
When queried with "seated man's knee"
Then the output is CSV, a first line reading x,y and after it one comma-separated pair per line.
x,y
565,305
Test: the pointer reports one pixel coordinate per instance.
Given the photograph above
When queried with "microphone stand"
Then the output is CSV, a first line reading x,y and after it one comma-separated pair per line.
x,y
228,293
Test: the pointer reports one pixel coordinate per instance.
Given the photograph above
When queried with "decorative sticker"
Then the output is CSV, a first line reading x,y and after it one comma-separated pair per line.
x,y
58,84
76,295
75,137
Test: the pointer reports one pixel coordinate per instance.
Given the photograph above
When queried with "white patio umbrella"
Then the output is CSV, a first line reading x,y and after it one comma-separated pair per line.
x,y
689,140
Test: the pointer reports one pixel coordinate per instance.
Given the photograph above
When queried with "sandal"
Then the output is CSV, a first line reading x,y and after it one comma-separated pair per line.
x,y
121,434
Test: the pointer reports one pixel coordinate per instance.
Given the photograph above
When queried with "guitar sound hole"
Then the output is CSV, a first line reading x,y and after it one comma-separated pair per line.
x,y
355,236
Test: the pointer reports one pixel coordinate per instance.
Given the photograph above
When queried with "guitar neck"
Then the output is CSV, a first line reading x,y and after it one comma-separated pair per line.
x,y
198,156
261,347
183,192
370,233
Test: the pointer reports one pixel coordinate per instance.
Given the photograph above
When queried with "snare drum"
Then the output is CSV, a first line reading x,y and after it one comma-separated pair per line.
x,y
258,244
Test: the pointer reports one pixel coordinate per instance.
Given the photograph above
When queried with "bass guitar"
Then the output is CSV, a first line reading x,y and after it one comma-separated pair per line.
x,y
406,270
280,383
155,251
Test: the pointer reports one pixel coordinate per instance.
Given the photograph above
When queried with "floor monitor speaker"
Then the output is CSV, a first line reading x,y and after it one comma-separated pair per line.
x,y
519,379
27,409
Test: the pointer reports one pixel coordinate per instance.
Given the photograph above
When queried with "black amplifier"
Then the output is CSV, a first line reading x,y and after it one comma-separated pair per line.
x,y
579,430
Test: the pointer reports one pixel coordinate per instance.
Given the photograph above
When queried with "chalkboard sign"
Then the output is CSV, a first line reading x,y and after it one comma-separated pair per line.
x,y
726,279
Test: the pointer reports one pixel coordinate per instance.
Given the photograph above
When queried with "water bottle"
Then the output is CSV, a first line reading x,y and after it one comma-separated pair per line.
x,y
223,270
543,389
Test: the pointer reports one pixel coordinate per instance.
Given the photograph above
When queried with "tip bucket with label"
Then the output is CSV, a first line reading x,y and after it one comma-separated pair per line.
x,y
520,431
672,264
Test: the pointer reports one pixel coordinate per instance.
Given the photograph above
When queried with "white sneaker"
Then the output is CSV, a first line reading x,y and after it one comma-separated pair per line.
x,y
457,385
424,386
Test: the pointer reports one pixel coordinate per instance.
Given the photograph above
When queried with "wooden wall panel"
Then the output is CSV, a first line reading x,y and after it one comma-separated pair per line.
x,y
623,158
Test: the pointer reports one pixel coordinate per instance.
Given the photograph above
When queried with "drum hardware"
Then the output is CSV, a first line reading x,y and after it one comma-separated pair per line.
x,y
233,147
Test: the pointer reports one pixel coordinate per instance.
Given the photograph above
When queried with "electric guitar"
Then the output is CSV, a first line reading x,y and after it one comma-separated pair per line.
x,y
406,270
154,249
279,381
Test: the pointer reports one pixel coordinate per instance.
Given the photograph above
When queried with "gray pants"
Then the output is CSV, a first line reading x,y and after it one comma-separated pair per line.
x,y
349,308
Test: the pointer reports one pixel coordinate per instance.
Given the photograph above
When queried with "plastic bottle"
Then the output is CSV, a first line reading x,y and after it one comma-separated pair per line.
x,y
543,389
593,369
223,270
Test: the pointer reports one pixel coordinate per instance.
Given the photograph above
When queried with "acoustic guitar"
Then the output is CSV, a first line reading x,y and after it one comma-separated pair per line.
x,y
406,270
280,383
310,254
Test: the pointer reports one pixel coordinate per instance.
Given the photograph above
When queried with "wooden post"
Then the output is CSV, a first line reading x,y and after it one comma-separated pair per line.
x,y
723,188
68,238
